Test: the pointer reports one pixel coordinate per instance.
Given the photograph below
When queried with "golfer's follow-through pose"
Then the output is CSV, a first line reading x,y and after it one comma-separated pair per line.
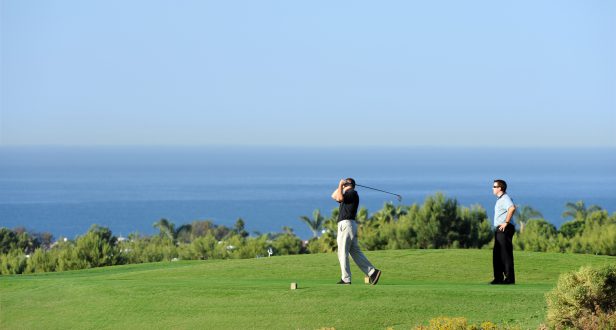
x,y
502,255
347,233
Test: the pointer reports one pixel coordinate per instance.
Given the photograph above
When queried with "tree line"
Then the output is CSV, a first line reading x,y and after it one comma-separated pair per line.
x,y
439,222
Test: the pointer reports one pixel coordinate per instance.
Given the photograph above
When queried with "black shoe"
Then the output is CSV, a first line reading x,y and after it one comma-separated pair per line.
x,y
374,278
508,282
497,282
343,282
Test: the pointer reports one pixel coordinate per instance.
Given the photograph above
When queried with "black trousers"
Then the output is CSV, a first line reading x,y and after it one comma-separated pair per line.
x,y
502,255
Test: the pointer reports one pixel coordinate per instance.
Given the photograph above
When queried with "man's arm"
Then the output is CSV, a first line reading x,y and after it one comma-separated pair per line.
x,y
337,194
510,212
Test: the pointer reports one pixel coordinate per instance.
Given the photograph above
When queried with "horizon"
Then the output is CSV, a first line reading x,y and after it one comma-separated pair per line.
x,y
306,146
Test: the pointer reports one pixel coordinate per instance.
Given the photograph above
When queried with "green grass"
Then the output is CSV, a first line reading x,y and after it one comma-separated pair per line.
x,y
416,285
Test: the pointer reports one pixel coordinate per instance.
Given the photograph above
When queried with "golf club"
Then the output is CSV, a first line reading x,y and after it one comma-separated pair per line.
x,y
387,192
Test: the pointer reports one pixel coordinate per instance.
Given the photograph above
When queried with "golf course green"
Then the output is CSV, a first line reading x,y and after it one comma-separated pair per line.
x,y
416,286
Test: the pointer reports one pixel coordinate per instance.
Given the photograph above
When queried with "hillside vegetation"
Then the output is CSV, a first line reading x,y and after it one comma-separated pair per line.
x,y
439,222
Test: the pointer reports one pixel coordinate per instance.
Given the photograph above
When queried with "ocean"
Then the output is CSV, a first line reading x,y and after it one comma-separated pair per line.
x,y
64,190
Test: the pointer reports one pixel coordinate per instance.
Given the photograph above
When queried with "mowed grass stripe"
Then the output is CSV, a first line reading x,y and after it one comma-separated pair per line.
x,y
417,285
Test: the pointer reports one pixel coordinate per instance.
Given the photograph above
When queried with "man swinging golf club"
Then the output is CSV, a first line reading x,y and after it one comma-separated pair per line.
x,y
348,198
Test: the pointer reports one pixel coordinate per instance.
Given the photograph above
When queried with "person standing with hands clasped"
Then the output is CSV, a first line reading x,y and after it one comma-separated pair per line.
x,y
348,198
502,255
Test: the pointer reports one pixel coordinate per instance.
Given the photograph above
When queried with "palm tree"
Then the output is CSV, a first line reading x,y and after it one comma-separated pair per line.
x,y
526,213
389,213
184,233
166,228
316,224
331,224
578,210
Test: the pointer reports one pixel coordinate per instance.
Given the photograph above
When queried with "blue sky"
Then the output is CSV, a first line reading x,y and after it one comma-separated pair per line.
x,y
310,73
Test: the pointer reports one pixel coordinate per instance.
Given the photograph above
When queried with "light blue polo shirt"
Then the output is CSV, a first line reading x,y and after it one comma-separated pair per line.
x,y
503,203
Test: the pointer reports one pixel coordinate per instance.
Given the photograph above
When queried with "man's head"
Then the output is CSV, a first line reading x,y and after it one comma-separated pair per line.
x,y
499,186
349,183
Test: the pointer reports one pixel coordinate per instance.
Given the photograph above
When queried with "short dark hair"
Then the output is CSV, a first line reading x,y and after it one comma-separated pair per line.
x,y
502,184
350,181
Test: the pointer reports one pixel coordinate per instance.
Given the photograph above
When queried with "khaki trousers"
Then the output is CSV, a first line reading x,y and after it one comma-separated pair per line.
x,y
348,244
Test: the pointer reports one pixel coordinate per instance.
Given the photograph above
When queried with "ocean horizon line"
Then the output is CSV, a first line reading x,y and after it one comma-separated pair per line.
x,y
309,146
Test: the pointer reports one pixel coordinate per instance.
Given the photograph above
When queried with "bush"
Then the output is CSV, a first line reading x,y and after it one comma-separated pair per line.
x,y
13,263
598,320
253,247
97,247
156,249
324,244
67,257
41,261
597,238
203,248
583,298
446,323
571,228
287,244
538,236
460,323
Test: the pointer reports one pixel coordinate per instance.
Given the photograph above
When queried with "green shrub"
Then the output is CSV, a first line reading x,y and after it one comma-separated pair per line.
x,y
596,239
13,262
582,298
324,244
538,236
287,244
460,323
41,261
253,247
67,257
97,247
571,228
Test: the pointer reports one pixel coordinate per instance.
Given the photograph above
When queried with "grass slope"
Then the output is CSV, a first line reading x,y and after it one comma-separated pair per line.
x,y
416,285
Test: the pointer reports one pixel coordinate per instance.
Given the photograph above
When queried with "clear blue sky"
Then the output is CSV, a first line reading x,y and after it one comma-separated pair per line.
x,y
437,73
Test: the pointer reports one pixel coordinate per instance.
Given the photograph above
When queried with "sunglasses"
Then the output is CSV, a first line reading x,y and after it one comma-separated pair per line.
x,y
496,187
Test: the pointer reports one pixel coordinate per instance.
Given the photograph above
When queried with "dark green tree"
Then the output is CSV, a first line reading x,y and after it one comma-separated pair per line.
x,y
239,228
570,229
98,247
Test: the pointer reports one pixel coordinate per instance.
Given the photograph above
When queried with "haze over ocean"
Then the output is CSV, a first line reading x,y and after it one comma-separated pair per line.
x,y
64,190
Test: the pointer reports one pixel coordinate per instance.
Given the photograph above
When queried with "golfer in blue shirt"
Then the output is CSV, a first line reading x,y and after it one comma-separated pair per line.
x,y
502,254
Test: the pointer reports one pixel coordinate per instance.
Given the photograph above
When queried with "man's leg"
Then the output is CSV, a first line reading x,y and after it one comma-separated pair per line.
x,y
508,255
496,258
360,259
344,244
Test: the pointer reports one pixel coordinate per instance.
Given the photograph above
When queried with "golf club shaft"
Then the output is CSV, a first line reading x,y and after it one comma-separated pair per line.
x,y
387,192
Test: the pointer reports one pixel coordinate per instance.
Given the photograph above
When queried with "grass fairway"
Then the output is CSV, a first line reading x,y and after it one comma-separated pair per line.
x,y
416,285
